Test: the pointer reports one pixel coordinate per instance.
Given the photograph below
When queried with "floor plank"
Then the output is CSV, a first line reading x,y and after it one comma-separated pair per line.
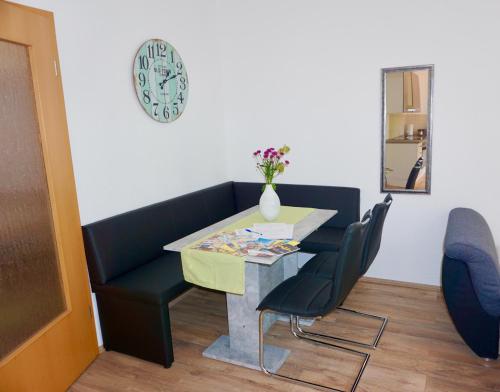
x,y
419,352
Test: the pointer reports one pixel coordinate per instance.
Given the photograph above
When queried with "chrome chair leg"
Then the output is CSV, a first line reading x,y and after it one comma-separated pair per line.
x,y
294,323
366,356
371,345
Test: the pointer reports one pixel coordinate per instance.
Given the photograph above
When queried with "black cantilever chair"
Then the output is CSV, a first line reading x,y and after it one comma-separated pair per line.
x,y
412,178
323,264
309,295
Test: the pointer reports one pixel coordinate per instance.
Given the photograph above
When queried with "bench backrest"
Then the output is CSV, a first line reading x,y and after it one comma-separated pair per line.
x,y
343,199
123,242
117,245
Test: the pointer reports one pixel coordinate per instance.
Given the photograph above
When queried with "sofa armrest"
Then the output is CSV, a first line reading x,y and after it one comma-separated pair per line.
x,y
469,239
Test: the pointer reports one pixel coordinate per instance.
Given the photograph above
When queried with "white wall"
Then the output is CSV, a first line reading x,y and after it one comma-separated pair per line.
x,y
308,74
122,158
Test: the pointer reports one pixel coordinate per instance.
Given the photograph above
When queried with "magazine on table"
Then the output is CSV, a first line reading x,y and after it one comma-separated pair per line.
x,y
243,243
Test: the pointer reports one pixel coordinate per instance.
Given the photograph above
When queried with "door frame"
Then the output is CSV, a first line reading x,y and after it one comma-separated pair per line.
x,y
68,343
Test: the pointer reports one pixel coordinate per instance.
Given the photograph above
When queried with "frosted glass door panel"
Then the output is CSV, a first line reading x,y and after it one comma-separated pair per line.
x,y
31,293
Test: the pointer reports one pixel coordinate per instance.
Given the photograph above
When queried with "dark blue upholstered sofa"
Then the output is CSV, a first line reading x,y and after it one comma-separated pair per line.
x,y
471,281
134,278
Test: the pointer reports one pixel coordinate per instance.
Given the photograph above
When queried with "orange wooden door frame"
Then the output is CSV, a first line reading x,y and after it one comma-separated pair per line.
x,y
57,354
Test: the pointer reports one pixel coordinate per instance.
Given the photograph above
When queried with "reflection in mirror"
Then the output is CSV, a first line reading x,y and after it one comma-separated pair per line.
x,y
406,143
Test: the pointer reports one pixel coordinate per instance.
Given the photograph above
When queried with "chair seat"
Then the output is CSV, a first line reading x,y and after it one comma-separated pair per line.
x,y
323,264
324,239
302,295
158,281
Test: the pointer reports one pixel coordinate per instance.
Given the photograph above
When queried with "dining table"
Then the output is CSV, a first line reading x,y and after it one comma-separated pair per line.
x,y
262,274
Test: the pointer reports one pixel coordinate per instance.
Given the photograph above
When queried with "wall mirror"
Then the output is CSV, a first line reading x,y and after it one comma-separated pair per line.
x,y
407,129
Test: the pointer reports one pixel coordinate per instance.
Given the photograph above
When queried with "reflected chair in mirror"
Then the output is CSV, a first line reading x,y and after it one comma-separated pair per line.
x,y
415,171
313,296
323,265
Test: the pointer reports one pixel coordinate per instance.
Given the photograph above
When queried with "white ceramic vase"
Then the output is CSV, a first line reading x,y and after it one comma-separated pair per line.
x,y
269,203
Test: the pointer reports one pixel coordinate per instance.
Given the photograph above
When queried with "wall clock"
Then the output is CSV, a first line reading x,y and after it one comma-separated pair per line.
x,y
161,81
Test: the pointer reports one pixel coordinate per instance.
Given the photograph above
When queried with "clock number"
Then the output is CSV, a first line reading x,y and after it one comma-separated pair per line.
x,y
155,109
145,97
143,62
180,97
166,113
172,56
161,50
151,51
182,81
142,79
175,109
179,67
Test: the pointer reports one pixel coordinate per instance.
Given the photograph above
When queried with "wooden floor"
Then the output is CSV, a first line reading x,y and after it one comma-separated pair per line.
x,y
419,351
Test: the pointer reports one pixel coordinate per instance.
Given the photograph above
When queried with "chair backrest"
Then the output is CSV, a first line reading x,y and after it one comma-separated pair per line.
x,y
412,178
349,260
374,233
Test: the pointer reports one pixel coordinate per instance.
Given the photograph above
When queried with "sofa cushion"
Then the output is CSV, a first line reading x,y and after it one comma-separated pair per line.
x,y
157,281
469,239
323,239
345,200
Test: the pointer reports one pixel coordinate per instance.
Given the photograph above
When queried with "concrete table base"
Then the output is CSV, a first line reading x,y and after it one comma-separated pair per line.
x,y
274,356
241,347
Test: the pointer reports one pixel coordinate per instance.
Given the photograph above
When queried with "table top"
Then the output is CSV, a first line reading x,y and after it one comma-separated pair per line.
x,y
300,231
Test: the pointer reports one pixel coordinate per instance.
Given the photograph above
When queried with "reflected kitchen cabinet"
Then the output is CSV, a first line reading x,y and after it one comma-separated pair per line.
x,y
406,129
407,92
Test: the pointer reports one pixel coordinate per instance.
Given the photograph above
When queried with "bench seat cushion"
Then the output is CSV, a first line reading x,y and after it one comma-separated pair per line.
x,y
469,239
325,239
158,281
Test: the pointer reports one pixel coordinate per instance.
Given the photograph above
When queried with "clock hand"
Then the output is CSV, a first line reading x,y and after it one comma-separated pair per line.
x,y
174,76
162,84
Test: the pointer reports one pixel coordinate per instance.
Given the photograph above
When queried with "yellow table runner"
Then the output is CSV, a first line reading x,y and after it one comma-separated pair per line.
x,y
226,272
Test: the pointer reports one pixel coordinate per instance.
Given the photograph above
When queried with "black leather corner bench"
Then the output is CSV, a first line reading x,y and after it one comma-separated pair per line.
x,y
134,279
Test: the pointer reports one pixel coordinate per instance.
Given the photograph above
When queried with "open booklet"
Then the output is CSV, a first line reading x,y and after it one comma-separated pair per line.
x,y
243,243
274,231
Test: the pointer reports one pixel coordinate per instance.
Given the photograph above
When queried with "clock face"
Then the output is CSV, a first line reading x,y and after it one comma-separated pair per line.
x,y
160,80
